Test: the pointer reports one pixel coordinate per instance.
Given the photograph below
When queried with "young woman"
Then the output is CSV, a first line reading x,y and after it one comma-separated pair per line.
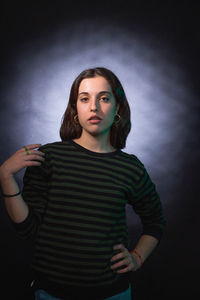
x,y
74,197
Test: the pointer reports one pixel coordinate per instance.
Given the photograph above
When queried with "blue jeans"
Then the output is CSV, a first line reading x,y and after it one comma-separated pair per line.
x,y
42,295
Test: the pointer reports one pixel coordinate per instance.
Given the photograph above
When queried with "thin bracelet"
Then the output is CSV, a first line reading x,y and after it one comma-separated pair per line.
x,y
10,196
139,256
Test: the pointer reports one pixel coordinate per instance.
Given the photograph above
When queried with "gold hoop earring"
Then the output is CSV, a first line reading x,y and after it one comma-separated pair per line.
x,y
76,119
116,122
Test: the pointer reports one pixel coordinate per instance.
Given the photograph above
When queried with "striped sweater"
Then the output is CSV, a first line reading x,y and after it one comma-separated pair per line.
x,y
77,201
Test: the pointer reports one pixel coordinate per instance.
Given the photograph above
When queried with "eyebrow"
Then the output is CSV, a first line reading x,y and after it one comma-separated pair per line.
x,y
102,92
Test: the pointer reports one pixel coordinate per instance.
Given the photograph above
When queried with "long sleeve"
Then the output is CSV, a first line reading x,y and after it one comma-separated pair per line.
x,y
146,203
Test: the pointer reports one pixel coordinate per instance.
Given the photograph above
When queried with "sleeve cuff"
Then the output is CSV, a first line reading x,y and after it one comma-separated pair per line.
x,y
24,224
154,231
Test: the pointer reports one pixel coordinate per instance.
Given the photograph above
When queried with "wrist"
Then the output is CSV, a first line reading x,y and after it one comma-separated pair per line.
x,y
4,174
138,258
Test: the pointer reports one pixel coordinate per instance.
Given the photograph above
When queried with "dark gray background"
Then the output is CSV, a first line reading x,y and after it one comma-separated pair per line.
x,y
153,47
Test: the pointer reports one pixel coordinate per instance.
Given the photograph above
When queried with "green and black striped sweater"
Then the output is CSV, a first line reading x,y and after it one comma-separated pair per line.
x,y
77,200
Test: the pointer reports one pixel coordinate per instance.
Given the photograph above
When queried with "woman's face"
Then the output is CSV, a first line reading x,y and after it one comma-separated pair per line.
x,y
96,106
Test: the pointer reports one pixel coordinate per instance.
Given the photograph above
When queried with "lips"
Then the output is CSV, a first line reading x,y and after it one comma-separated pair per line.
x,y
94,118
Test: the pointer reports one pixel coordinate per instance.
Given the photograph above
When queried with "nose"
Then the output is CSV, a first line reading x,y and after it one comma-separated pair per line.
x,y
94,105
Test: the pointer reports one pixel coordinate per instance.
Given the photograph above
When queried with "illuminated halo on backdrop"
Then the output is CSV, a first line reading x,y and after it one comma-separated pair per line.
x,y
43,72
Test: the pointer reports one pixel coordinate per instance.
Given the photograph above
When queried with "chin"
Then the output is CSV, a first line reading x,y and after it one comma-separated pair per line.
x,y
95,133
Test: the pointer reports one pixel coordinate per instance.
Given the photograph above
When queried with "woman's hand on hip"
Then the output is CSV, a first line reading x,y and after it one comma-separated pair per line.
x,y
124,260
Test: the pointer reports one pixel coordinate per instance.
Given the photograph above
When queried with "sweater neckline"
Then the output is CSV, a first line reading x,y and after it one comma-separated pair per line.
x,y
83,149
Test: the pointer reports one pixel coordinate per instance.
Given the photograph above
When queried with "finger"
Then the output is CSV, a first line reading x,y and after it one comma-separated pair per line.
x,y
34,157
127,269
33,146
119,247
31,163
117,256
28,148
35,152
119,264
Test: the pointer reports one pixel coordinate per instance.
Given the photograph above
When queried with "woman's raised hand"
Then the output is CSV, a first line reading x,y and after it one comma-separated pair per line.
x,y
24,157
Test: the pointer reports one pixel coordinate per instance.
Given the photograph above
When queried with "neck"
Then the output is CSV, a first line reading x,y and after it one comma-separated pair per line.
x,y
99,144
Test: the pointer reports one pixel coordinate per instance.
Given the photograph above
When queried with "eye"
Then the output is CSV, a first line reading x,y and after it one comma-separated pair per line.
x,y
105,99
84,99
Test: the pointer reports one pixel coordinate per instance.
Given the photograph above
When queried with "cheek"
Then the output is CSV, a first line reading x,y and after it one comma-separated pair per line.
x,y
81,110
83,115
110,115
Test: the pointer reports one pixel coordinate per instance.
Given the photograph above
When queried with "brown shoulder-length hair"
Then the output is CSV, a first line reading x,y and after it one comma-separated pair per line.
x,y
71,129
